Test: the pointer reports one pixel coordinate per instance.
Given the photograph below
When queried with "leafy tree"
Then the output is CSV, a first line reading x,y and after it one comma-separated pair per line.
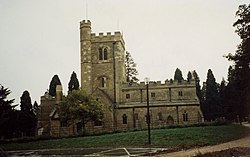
x,y
241,58
178,75
73,83
53,83
131,71
189,76
211,104
80,107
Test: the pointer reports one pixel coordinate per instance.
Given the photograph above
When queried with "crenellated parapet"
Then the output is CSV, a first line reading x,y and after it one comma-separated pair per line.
x,y
156,84
107,37
85,23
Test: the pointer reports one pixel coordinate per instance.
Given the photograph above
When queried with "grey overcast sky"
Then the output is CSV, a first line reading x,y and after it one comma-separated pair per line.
x,y
40,38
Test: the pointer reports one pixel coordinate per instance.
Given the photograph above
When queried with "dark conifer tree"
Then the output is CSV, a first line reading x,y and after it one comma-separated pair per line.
x,y
203,100
26,105
131,71
27,119
6,113
35,108
222,95
189,76
178,75
197,84
212,105
53,83
232,97
73,83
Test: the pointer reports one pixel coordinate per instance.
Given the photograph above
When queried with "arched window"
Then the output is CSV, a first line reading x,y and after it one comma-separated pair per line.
x,y
103,82
159,116
124,119
105,55
185,116
136,117
100,54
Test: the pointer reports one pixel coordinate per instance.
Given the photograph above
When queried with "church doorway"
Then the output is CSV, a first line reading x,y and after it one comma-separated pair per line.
x,y
170,120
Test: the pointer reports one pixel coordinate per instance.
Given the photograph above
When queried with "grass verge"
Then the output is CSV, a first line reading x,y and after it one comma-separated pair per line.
x,y
167,138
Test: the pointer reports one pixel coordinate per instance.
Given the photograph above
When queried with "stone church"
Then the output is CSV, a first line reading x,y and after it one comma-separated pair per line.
x,y
124,104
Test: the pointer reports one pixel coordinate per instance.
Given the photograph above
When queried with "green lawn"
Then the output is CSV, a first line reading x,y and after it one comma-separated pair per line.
x,y
177,137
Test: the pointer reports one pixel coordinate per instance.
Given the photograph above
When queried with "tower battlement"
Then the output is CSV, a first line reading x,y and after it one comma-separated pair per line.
x,y
106,37
160,84
85,23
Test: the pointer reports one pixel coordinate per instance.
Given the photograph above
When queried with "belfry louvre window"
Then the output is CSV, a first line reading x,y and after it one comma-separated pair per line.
x,y
100,54
103,54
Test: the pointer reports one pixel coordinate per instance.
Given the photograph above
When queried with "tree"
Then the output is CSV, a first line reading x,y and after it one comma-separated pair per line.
x,y
222,94
197,84
26,105
241,58
232,97
6,112
5,105
73,83
178,75
27,118
79,107
212,105
189,76
131,71
53,83
36,108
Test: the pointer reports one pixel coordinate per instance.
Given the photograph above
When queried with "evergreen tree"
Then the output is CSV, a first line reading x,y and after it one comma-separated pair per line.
x,y
131,71
73,83
241,58
26,105
212,105
189,76
231,96
27,117
178,75
203,100
6,113
197,84
36,108
53,83
222,95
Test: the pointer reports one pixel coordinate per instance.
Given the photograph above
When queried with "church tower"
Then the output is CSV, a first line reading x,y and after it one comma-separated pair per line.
x,y
102,62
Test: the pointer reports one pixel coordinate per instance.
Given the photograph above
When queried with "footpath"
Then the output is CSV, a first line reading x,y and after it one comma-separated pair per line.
x,y
243,142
